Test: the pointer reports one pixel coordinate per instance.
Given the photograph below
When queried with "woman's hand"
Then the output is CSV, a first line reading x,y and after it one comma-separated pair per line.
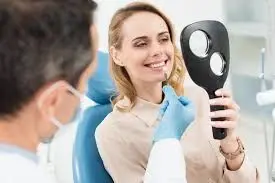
x,y
230,113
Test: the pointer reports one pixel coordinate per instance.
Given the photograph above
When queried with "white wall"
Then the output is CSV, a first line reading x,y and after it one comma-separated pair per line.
x,y
181,12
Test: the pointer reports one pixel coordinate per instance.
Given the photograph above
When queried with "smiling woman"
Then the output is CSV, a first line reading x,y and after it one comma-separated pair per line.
x,y
142,55
136,48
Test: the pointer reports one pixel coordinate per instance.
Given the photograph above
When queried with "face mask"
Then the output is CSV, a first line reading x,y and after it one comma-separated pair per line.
x,y
76,116
78,111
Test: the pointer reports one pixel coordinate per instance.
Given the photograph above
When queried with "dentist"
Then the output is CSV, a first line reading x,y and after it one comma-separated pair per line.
x,y
47,52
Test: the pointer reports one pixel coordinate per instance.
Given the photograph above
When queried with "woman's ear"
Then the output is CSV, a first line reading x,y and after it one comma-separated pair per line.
x,y
116,56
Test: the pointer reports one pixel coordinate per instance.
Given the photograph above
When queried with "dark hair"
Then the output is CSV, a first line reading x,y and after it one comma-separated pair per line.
x,y
41,41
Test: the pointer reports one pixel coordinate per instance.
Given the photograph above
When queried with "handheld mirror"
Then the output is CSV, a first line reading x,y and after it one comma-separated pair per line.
x,y
205,49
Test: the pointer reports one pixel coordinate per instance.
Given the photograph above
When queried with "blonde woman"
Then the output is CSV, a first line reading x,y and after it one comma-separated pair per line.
x,y
141,45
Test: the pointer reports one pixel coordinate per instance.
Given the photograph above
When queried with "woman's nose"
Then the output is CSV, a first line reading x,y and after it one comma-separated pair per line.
x,y
156,49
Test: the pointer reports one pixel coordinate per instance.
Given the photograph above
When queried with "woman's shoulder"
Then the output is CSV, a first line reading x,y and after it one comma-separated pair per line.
x,y
107,130
196,93
113,124
200,99
109,123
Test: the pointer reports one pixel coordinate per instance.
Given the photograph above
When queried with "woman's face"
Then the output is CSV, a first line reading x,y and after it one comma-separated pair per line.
x,y
146,48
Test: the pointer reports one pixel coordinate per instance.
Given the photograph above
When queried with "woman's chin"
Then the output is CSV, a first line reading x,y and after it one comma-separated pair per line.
x,y
156,80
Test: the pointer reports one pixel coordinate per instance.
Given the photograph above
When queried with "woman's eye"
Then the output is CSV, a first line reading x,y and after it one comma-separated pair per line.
x,y
164,39
141,44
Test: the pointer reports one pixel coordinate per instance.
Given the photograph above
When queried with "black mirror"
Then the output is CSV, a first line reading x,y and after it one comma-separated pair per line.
x,y
205,49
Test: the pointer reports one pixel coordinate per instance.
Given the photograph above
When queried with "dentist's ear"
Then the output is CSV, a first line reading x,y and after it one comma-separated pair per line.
x,y
47,100
115,56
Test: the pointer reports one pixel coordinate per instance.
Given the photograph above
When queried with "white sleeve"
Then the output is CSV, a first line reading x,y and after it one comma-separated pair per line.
x,y
166,163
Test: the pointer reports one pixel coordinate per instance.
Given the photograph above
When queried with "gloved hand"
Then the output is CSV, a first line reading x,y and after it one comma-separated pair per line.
x,y
176,114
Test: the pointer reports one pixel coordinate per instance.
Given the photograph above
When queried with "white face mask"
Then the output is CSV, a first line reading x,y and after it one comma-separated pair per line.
x,y
84,102
77,115
56,122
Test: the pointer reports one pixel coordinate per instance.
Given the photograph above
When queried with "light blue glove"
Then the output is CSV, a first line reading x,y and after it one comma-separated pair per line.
x,y
176,114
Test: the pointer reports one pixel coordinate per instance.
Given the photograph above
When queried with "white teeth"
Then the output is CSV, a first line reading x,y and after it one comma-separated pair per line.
x,y
157,65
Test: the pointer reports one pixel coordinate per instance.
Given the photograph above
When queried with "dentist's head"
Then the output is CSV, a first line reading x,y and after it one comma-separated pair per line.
x,y
47,52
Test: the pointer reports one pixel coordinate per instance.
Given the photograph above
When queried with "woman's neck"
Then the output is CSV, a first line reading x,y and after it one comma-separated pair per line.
x,y
150,92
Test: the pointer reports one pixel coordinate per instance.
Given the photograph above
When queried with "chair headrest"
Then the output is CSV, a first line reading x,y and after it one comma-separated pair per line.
x,y
100,85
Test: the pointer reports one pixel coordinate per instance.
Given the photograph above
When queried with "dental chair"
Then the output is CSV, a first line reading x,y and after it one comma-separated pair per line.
x,y
87,164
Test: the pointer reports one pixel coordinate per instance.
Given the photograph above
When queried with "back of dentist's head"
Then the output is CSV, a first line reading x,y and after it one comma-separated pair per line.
x,y
47,52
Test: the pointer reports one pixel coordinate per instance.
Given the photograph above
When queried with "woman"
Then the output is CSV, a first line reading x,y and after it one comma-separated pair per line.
x,y
141,45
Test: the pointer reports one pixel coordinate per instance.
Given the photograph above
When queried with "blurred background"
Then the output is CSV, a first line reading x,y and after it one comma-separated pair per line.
x,y
251,28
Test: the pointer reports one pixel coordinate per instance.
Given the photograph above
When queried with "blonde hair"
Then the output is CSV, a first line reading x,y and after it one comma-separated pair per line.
x,y
121,78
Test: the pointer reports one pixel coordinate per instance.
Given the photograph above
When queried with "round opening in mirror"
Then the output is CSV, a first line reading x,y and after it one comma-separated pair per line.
x,y
199,43
217,64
